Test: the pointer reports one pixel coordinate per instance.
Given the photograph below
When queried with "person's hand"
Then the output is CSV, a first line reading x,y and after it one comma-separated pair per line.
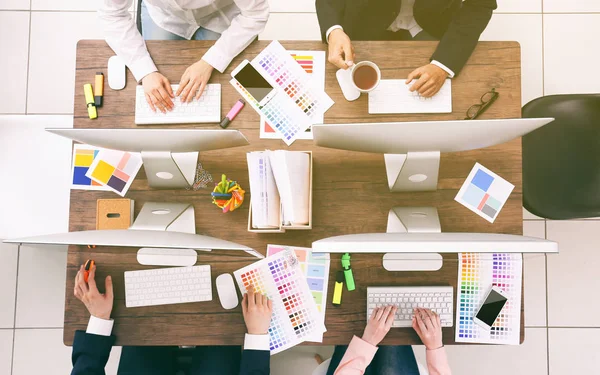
x,y
430,80
428,326
194,80
158,92
379,324
257,310
341,52
98,304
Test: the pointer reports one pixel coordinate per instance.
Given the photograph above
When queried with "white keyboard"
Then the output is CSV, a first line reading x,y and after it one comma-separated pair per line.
x,y
436,298
393,96
166,286
205,109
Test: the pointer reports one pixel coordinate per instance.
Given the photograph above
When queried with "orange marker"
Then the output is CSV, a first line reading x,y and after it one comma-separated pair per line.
x,y
88,266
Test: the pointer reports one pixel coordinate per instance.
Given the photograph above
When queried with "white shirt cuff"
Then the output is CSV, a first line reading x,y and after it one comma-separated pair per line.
x,y
256,342
217,59
142,67
330,30
101,327
444,67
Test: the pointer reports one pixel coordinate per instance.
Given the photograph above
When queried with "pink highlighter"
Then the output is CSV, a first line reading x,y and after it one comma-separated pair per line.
x,y
237,107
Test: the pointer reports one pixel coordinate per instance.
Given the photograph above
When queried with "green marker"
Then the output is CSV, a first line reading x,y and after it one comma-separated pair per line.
x,y
348,272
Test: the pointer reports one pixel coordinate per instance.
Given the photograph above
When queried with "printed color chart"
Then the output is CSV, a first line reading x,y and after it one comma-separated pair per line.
x,y
484,192
115,169
295,316
83,157
315,267
477,273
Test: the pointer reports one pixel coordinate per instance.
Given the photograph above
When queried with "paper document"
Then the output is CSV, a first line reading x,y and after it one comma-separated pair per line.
x,y
292,175
265,202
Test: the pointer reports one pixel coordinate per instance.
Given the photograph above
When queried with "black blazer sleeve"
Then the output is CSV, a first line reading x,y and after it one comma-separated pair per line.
x,y
459,41
329,13
255,362
90,353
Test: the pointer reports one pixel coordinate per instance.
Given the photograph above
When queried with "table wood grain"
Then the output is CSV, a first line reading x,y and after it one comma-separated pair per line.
x,y
350,193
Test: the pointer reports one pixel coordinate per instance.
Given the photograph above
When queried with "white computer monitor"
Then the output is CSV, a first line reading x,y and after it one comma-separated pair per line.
x,y
412,149
170,156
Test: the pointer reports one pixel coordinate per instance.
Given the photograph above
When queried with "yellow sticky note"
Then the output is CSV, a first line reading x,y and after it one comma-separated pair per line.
x,y
103,172
83,160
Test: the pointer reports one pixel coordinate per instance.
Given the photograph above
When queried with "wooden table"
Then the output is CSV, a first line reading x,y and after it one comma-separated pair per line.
x,y
358,204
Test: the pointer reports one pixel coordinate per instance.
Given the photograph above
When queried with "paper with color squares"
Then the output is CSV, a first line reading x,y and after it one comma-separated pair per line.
x,y
115,169
477,273
295,316
313,63
484,192
83,157
315,267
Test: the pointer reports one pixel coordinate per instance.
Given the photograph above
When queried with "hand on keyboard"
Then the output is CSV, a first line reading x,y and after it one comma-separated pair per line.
x,y
379,324
428,326
157,90
430,80
194,80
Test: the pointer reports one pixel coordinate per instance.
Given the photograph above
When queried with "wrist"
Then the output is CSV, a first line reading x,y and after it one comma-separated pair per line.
x,y
434,346
257,331
102,316
369,340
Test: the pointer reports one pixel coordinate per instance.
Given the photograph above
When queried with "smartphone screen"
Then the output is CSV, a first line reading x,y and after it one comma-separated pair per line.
x,y
252,81
491,308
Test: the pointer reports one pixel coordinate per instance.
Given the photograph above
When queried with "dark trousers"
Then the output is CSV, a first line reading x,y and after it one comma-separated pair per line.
x,y
161,360
389,360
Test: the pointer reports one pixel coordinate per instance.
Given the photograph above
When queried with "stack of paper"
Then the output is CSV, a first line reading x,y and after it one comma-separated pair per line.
x,y
292,175
265,201
280,188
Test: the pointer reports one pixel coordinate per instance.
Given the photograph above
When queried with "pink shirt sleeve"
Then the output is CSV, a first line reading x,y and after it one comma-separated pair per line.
x,y
437,362
358,356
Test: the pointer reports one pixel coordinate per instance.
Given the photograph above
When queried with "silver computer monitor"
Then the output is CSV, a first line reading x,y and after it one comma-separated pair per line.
x,y
412,149
170,156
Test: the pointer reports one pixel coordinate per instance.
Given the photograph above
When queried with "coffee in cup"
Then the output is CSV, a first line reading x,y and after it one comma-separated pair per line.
x,y
365,76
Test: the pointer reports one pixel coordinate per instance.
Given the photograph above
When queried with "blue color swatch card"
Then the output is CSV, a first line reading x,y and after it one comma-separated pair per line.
x,y
484,192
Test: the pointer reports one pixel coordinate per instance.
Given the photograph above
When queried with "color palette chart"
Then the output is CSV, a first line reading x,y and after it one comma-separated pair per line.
x,y
115,169
313,63
315,266
83,157
295,316
484,192
477,273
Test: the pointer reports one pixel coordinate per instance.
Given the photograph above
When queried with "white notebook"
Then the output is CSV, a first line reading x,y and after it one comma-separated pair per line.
x,y
292,175
265,201
393,96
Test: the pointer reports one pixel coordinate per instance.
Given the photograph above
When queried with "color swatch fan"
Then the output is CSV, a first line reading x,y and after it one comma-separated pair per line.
x,y
115,169
295,316
477,273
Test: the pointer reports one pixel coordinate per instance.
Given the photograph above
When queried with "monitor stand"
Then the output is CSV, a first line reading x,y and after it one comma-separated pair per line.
x,y
172,217
413,220
414,171
166,170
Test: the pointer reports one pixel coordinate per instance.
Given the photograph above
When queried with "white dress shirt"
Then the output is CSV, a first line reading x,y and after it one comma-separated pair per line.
x,y
103,327
404,21
238,21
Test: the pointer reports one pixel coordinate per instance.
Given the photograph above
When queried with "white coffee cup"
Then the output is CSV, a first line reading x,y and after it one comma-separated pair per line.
x,y
356,66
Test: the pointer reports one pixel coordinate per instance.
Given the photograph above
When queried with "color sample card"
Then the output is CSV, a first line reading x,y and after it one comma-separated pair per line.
x,y
295,316
315,267
115,169
313,63
477,273
83,157
484,192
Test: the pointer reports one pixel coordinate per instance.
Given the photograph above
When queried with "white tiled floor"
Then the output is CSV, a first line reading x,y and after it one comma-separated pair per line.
x,y
37,65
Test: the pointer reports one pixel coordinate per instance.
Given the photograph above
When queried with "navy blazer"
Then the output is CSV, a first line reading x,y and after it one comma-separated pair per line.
x,y
91,352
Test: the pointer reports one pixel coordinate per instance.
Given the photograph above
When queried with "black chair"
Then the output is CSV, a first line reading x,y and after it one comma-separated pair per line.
x,y
561,161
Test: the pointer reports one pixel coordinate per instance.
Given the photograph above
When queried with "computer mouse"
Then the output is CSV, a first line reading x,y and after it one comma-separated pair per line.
x,y
116,73
226,291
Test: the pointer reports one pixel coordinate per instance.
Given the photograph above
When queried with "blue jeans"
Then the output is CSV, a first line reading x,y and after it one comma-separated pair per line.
x,y
389,360
151,31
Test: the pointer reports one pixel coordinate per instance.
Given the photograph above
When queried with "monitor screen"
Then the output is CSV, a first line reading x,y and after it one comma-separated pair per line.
x,y
252,81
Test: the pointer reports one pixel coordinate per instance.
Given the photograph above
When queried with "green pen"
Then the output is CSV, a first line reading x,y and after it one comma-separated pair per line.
x,y
348,272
